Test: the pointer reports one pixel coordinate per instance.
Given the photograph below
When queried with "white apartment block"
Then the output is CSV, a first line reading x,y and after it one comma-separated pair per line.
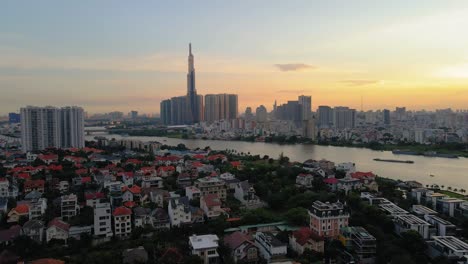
x,y
7,191
72,127
69,206
37,208
102,220
43,127
179,211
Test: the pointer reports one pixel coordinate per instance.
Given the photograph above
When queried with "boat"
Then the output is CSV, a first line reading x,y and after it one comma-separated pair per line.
x,y
439,155
395,161
404,152
432,175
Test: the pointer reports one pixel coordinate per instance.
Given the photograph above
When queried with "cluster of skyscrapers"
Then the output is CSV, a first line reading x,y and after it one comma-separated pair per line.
x,y
44,127
339,117
193,108
297,111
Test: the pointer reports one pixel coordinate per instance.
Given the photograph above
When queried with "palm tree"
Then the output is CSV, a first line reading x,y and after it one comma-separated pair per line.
x,y
442,186
449,188
455,190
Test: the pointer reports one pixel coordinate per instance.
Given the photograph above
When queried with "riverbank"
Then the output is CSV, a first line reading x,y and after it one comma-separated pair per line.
x,y
457,149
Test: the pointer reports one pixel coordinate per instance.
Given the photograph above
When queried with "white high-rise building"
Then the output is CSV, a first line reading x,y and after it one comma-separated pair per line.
x,y
72,127
43,127
40,127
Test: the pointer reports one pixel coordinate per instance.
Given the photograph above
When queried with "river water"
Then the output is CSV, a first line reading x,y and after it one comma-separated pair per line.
x,y
447,172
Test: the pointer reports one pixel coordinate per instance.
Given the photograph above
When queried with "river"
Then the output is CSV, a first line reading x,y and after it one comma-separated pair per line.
x,y
447,172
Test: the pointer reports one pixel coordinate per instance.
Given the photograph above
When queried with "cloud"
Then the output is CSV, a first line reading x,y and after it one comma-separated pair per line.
x,y
455,71
294,67
291,91
360,82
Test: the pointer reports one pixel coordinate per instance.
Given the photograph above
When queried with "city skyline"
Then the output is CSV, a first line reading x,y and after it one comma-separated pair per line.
x,y
398,54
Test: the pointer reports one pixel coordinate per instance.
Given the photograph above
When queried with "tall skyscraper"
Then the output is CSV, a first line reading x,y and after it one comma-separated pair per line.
x,y
211,108
233,106
291,111
306,106
72,127
133,114
194,108
261,114
43,127
179,110
166,112
344,117
40,128
193,114
325,116
308,128
386,116
220,106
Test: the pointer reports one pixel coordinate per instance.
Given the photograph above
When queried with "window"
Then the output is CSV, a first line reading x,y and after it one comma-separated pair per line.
x,y
211,252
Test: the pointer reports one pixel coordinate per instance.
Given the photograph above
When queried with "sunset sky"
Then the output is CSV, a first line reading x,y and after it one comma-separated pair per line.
x,y
129,55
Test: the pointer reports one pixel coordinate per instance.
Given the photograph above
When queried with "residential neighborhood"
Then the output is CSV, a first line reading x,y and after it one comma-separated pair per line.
x,y
205,206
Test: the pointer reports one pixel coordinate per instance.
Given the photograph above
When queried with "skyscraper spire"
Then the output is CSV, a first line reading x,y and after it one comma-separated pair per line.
x,y
193,104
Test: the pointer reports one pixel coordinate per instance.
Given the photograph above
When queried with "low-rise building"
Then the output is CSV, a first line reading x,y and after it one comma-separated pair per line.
x,y
135,255
141,216
34,185
212,185
243,249
449,206
192,192
69,206
77,232
149,182
439,226
448,246
57,229
160,219
8,190
34,229
20,211
391,209
421,210
407,222
245,193
211,205
122,221
326,219
205,246
37,208
179,211
269,246
305,238
360,241
304,180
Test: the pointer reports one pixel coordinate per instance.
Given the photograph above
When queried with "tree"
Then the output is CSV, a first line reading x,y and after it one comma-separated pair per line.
x,y
193,259
297,216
